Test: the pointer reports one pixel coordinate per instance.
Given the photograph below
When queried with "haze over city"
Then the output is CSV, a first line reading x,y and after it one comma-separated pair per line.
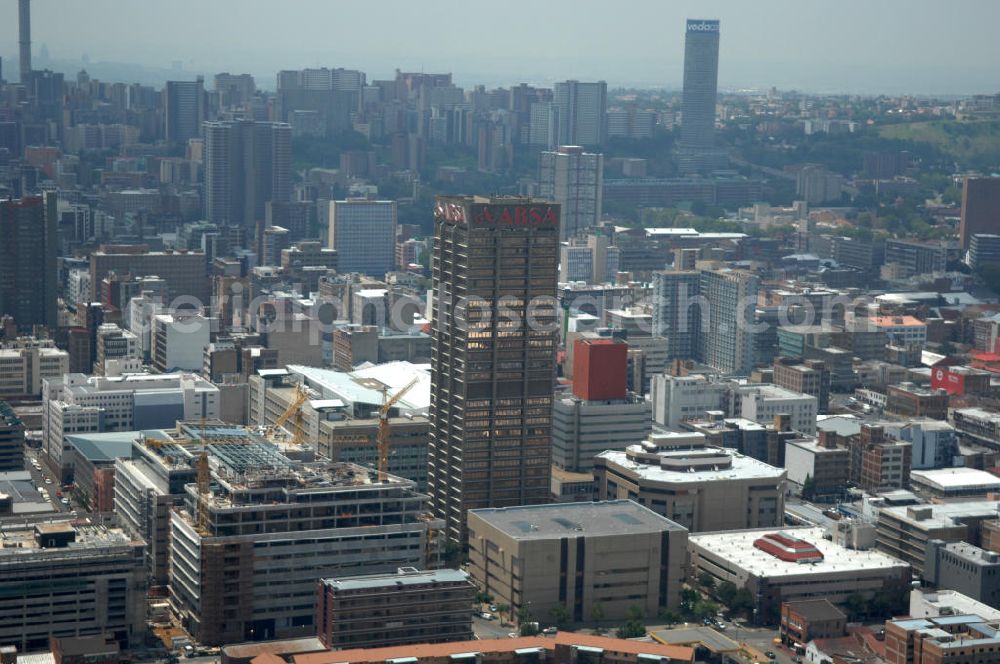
x,y
857,46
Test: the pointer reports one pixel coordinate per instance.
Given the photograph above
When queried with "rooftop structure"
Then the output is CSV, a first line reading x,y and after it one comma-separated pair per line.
x,y
540,522
954,482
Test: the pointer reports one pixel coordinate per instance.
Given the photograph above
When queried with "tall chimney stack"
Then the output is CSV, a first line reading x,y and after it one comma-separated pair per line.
x,y
24,37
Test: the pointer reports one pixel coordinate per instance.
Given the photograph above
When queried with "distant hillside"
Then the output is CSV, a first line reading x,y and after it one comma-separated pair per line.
x,y
972,144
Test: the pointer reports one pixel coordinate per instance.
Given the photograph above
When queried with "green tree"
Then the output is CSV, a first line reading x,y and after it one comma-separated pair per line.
x,y
704,608
560,614
523,615
597,612
528,629
742,601
635,614
726,592
668,616
809,488
856,606
484,598
631,630
706,580
504,611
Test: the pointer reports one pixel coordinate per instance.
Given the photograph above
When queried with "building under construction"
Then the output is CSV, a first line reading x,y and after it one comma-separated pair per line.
x,y
246,554
338,413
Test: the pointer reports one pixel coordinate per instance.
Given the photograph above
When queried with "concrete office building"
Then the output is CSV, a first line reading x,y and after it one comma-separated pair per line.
x,y
408,606
600,414
26,362
980,208
492,384
795,564
952,639
677,312
905,531
725,335
11,439
178,341
912,257
114,343
762,403
931,603
617,554
934,444
984,250
679,398
245,563
184,110
78,403
978,423
965,568
29,228
676,475
697,150
68,579
573,179
183,272
247,164
581,110
953,484
363,232
820,461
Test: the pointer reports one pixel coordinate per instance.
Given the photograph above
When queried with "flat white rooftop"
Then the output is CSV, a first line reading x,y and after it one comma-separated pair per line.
x,y
955,479
737,548
942,515
743,468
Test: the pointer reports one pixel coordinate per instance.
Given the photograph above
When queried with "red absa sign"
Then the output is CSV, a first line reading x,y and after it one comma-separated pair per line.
x,y
514,216
942,379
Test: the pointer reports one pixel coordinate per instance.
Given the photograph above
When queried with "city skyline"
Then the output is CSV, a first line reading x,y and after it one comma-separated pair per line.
x,y
944,52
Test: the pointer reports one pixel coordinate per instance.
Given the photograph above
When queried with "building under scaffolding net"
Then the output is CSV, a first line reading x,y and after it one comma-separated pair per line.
x,y
247,555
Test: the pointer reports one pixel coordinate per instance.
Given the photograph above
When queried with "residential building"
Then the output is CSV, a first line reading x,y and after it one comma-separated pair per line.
x,y
562,648
581,110
810,377
901,330
574,179
678,476
93,568
615,554
980,208
114,343
179,341
184,110
492,412
697,150
264,588
247,164
29,228
878,463
11,439
363,232
679,398
405,607
905,531
795,564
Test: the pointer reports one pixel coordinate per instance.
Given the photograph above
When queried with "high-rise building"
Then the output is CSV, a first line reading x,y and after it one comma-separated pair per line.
x,y
363,232
676,314
493,354
24,38
11,439
247,164
574,179
697,151
980,208
582,112
726,338
29,229
184,110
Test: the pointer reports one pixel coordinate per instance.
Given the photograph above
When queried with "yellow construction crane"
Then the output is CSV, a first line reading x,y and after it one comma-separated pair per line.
x,y
295,409
384,428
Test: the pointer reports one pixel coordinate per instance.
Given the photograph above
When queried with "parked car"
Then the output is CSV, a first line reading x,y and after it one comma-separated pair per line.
x,y
770,654
550,630
486,615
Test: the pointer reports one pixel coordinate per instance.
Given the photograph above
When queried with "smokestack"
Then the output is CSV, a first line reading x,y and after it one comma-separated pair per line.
x,y
24,37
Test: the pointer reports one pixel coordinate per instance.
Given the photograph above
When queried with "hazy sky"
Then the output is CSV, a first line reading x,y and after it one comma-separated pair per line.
x,y
868,46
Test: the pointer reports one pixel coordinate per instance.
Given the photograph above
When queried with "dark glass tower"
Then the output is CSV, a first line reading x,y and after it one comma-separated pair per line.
x,y
493,354
697,149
